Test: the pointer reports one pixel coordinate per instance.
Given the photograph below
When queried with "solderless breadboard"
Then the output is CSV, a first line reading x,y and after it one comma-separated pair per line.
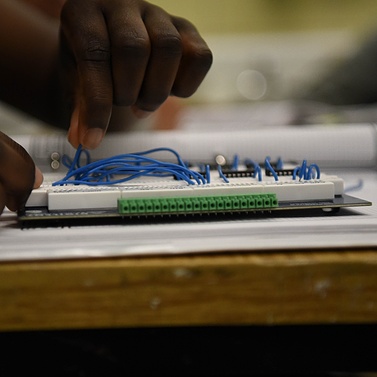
x,y
240,193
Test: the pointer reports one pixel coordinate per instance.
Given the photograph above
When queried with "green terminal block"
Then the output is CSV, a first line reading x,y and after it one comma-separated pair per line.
x,y
196,204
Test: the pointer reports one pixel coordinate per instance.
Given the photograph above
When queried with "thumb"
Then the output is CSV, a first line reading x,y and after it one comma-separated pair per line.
x,y
18,174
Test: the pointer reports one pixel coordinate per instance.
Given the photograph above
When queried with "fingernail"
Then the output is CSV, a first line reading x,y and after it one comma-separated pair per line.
x,y
72,138
38,178
141,114
73,133
92,138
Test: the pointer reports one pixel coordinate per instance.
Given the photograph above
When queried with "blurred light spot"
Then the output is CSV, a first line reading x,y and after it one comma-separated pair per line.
x,y
252,84
220,160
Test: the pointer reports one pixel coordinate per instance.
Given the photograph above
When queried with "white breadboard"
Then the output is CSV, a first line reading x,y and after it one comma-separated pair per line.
x,y
81,197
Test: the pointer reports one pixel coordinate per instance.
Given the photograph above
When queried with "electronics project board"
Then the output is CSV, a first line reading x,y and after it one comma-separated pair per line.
x,y
211,189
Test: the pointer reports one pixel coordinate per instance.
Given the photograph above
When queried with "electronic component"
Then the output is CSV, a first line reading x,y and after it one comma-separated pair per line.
x,y
139,186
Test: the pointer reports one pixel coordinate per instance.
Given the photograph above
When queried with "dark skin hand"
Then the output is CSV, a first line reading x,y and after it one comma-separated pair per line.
x,y
103,57
18,175
101,64
127,53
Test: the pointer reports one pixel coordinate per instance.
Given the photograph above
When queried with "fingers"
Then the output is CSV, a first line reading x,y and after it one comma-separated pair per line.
x,y
18,174
38,178
130,52
179,60
87,38
196,60
164,59
127,53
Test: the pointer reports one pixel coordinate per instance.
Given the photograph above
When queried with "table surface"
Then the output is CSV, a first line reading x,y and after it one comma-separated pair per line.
x,y
266,288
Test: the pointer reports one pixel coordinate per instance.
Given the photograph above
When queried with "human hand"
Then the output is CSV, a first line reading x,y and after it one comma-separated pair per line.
x,y
125,53
50,8
18,174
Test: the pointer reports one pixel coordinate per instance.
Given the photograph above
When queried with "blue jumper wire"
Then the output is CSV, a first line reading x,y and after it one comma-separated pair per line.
x,y
126,167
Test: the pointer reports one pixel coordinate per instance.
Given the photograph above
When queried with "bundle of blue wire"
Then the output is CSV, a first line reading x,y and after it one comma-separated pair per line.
x,y
125,167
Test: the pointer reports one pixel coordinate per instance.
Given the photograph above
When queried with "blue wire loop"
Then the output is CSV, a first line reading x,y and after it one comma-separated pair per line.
x,y
280,164
125,167
257,169
208,173
313,172
270,168
221,174
235,163
306,172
